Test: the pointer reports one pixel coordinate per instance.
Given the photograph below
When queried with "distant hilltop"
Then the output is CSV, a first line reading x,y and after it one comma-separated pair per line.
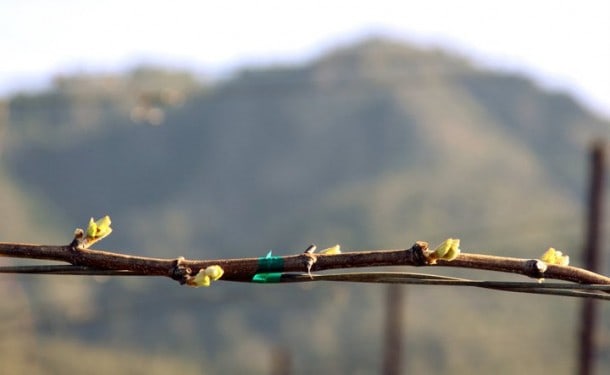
x,y
378,127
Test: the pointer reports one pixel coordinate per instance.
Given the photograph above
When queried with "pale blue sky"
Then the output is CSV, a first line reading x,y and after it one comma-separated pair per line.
x,y
561,44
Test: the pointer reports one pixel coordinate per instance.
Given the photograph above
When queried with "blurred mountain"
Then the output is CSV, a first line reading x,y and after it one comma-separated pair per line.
x,y
374,145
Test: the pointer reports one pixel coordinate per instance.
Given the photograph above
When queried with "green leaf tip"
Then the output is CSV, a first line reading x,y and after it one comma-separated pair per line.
x,y
96,230
448,250
205,276
552,256
334,250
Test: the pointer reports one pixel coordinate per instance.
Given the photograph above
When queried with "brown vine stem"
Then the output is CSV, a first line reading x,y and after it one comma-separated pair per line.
x,y
244,269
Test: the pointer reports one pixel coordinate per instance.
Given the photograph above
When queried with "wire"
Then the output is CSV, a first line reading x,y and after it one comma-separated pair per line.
x,y
596,291
562,289
67,270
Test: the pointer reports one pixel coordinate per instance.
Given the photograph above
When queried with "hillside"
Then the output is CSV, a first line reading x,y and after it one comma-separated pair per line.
x,y
373,145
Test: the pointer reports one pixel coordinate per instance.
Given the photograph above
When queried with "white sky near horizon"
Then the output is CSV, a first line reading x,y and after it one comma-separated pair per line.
x,y
561,44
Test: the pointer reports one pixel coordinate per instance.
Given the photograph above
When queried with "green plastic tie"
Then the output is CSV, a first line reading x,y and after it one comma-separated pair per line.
x,y
270,263
269,269
270,277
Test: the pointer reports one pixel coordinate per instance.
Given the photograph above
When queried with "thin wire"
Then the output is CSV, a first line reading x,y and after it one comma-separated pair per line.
x,y
560,289
67,270
596,291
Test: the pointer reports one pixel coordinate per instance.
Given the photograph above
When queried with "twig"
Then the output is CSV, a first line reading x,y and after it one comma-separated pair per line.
x,y
96,262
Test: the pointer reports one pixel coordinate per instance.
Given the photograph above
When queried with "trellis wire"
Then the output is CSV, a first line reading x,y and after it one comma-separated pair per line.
x,y
596,291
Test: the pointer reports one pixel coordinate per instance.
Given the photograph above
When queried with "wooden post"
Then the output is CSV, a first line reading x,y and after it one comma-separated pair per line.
x,y
592,257
281,361
392,356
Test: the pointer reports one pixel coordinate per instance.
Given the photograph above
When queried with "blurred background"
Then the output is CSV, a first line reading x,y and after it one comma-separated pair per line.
x,y
227,130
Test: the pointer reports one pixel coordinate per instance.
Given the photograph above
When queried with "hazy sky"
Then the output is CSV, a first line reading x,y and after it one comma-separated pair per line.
x,y
562,44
